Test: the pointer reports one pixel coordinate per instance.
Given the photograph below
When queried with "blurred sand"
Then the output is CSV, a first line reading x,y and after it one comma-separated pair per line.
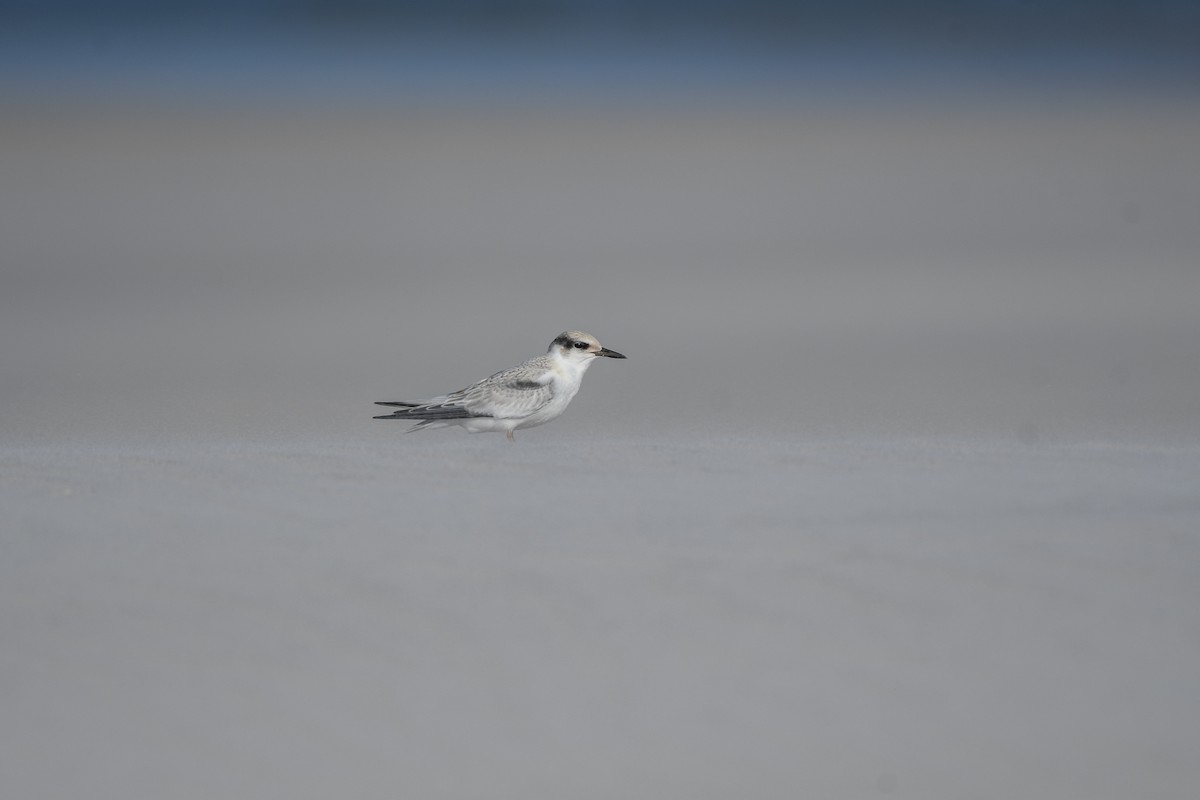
x,y
599,616
895,495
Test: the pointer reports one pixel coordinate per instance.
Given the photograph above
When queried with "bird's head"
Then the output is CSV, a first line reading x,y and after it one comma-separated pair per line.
x,y
580,348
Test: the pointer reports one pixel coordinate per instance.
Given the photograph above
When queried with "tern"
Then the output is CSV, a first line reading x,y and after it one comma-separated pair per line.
x,y
529,394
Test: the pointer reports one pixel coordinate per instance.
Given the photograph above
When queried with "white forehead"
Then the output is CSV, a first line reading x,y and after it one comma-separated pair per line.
x,y
568,339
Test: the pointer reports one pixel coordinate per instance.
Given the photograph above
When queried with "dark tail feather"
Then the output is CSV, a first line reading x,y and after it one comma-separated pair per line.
x,y
419,411
397,414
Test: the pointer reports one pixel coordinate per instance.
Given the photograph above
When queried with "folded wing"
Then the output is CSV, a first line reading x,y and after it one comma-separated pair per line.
x,y
513,393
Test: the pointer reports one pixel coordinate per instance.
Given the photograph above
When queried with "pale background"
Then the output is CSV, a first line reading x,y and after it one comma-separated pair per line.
x,y
896,495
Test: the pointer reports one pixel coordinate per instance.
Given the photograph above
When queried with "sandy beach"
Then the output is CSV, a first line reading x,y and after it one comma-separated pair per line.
x,y
897,493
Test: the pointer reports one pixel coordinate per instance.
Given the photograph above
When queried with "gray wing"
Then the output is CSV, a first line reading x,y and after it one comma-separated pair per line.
x,y
515,392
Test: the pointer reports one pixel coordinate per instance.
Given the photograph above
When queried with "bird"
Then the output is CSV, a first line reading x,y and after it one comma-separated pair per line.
x,y
531,393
